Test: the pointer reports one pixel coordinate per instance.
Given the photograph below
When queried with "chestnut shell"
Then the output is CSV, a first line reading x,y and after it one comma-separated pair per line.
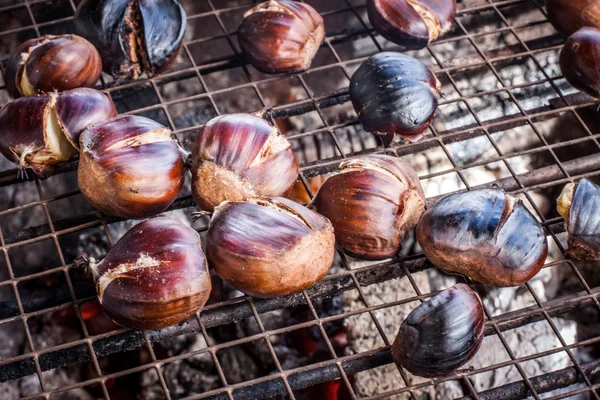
x,y
568,16
579,60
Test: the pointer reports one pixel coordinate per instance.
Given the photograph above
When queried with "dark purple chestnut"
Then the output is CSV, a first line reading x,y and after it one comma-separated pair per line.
x,y
133,36
411,24
394,94
239,156
442,334
155,276
579,204
568,16
42,132
485,234
579,61
52,63
130,167
281,36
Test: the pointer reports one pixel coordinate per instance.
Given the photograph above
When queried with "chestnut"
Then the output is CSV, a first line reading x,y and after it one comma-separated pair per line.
x,y
372,203
133,36
578,204
442,334
579,60
52,63
568,16
238,156
42,132
411,24
281,36
155,276
394,94
268,247
486,235
130,167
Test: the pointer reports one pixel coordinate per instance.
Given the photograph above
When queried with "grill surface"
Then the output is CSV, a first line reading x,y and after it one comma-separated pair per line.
x,y
533,101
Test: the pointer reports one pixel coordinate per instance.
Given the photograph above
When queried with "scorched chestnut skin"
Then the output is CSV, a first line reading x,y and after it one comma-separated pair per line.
x,y
579,61
568,16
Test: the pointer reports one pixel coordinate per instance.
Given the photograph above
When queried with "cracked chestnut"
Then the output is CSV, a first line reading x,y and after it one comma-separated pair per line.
x,y
568,16
411,24
239,156
130,167
486,235
269,247
579,60
155,276
442,334
133,36
281,36
394,94
42,132
372,203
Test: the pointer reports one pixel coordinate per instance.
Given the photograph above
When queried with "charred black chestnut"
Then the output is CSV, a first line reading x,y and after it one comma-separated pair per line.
x,y
568,16
579,60
485,234
394,94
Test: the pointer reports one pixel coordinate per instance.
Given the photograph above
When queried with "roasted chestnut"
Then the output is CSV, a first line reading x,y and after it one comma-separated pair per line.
x,y
268,247
239,156
372,202
130,167
579,205
442,334
133,36
411,24
394,94
281,36
568,16
154,276
579,60
52,63
485,234
42,132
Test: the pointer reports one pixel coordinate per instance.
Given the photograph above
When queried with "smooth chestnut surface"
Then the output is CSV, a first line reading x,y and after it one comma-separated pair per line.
x,y
485,234
52,63
442,334
133,36
372,203
579,60
394,94
155,276
130,167
239,156
268,247
411,24
281,36
568,16
579,205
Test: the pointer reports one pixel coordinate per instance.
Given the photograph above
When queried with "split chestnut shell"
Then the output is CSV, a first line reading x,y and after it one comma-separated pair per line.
x,y
579,60
442,334
155,276
568,16
486,234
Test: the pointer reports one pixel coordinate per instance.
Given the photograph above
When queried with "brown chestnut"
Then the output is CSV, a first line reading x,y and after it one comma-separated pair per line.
x,y
372,203
568,16
239,156
579,60
442,334
130,167
52,63
411,24
155,276
578,204
268,247
281,36
42,132
486,234
133,36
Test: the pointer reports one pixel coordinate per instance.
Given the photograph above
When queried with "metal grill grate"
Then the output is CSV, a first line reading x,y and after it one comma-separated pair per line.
x,y
521,38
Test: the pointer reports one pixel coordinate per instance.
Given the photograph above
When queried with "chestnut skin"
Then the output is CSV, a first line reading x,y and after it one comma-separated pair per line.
x,y
579,60
238,156
394,94
269,246
130,167
568,16
486,235
411,24
372,203
281,36
155,276
442,334
52,63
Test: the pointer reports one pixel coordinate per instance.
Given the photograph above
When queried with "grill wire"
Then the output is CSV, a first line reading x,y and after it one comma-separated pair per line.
x,y
553,175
